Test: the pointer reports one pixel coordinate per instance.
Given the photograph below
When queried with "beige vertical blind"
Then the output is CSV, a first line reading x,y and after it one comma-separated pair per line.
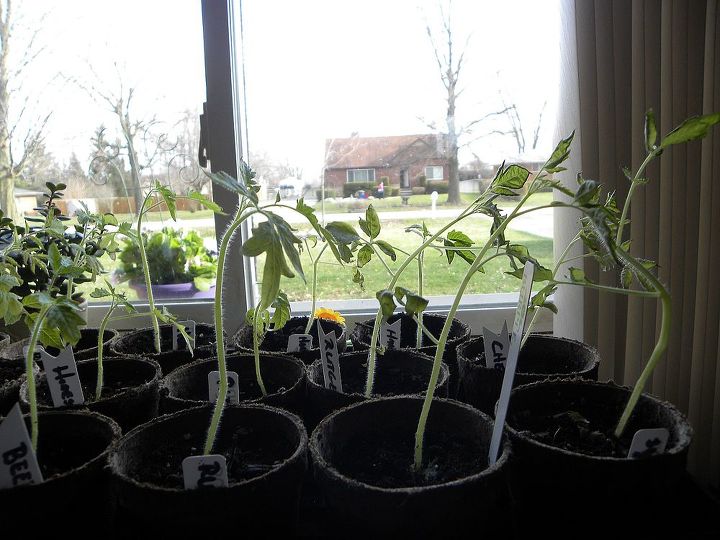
x,y
620,59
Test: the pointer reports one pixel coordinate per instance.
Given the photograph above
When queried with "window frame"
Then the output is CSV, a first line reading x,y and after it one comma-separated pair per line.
x,y
434,178
227,129
366,181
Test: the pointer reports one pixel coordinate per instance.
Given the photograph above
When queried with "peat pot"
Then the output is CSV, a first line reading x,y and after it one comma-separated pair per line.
x,y
131,390
398,372
566,459
277,341
265,448
84,349
72,451
362,458
433,322
142,343
283,376
541,357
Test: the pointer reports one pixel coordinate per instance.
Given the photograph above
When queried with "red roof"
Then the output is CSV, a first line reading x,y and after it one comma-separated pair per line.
x,y
396,150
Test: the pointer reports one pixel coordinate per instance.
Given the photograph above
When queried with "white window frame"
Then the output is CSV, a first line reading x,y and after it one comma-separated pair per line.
x,y
353,181
226,131
434,168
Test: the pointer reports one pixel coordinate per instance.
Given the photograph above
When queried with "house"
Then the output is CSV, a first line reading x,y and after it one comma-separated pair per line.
x,y
402,159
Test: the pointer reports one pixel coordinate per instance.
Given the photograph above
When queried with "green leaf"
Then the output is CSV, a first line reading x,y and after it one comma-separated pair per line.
x,y
259,242
373,222
387,302
359,278
109,219
503,191
364,256
513,177
54,257
281,315
413,303
63,315
100,293
204,201
342,231
695,127
577,275
650,131
387,249
168,196
560,154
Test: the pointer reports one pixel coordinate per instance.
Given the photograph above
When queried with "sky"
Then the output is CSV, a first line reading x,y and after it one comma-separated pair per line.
x,y
315,69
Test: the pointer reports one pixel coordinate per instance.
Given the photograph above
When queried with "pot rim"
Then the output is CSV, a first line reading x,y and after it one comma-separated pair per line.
x,y
370,323
535,335
319,460
296,318
684,436
106,362
286,463
152,354
443,378
213,359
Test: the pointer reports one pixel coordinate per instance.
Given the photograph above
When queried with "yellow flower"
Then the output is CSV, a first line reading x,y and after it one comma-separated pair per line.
x,y
329,315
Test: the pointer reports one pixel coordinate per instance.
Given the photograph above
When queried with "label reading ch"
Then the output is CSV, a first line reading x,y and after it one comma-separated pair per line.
x,y
497,347
18,464
205,471
390,335
178,341
512,359
648,442
62,377
299,342
233,396
330,359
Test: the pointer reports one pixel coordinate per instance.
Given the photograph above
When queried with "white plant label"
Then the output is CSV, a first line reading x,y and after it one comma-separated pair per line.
x,y
205,471
299,342
178,341
330,359
390,335
648,442
232,397
496,347
512,359
62,376
18,463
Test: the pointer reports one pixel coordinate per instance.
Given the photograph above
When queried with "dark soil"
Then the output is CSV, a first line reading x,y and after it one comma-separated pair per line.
x,y
144,342
571,431
10,372
387,461
67,452
388,380
277,341
110,389
253,452
539,363
248,388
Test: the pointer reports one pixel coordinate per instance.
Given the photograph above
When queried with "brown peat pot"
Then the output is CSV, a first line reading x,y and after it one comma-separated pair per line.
x,y
277,341
284,378
398,372
362,458
434,322
266,453
552,474
541,357
84,349
72,451
12,375
142,343
131,390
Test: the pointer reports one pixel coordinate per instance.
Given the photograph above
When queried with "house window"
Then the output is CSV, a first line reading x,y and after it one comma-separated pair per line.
x,y
315,126
433,172
360,175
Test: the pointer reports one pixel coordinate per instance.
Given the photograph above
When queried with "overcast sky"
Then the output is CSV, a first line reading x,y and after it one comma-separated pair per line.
x,y
315,69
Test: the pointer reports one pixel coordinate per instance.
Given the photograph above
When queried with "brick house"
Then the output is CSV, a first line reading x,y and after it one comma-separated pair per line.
x,y
402,159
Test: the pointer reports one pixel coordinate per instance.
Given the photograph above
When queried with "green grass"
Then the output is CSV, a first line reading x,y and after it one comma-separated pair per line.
x,y
335,281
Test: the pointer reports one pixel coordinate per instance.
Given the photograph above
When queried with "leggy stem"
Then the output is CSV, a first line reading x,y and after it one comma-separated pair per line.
x,y
315,263
418,337
146,275
101,334
633,184
30,376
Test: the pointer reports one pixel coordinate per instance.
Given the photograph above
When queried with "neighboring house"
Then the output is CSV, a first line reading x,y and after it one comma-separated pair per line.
x,y
402,159
26,200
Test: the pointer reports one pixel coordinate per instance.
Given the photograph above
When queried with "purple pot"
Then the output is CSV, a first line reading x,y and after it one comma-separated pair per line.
x,y
166,291
210,293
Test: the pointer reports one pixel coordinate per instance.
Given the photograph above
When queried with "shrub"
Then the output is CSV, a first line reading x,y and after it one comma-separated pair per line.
x,y
394,191
330,193
421,179
350,189
441,186
418,190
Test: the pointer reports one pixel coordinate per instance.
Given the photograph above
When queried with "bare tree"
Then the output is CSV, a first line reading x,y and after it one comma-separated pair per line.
x,y
15,108
449,57
517,126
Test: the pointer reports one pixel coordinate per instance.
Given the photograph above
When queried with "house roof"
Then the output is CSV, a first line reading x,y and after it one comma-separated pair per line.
x,y
396,150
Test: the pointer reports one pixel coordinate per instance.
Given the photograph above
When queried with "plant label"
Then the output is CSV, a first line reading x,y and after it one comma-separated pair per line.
x,y
62,377
496,347
18,463
205,471
299,342
512,359
648,442
330,359
390,335
233,394
178,341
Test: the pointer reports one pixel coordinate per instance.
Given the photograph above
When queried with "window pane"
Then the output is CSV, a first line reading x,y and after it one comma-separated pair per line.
x,y
124,85
341,141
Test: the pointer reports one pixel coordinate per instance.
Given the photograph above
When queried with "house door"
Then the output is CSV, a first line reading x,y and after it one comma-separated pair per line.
x,y
404,179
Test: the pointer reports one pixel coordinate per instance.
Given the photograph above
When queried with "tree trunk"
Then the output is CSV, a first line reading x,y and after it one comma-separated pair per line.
x,y
7,199
453,178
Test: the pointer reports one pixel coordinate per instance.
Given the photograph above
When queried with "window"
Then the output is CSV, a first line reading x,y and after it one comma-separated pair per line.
x,y
360,175
433,172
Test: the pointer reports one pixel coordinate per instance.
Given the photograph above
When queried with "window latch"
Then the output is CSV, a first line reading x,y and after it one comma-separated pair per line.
x,y
203,146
